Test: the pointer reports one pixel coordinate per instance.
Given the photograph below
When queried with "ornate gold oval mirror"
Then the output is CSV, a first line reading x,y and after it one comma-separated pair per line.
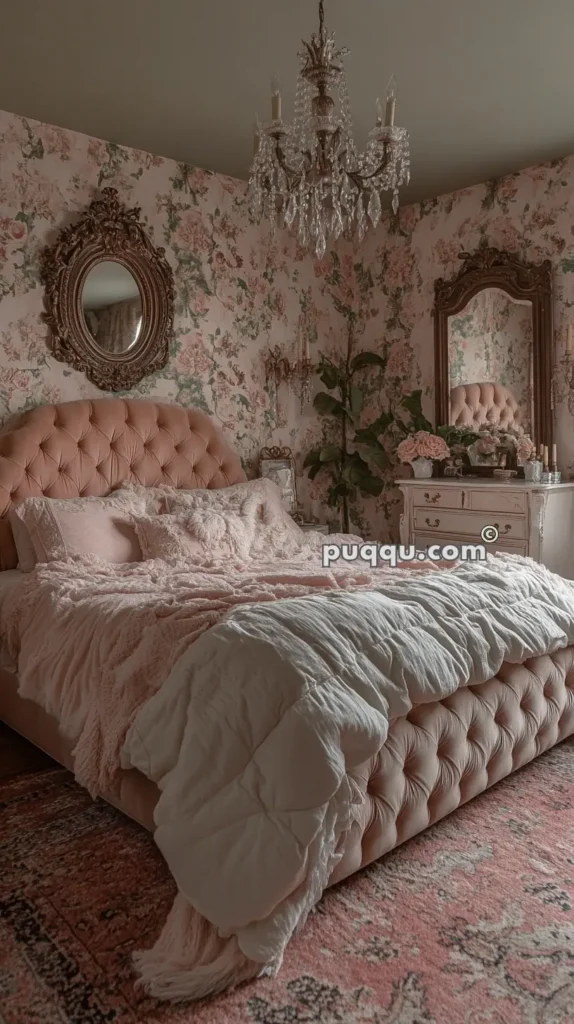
x,y
494,345
109,296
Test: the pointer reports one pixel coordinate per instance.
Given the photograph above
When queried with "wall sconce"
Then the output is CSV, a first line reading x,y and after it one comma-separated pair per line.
x,y
297,374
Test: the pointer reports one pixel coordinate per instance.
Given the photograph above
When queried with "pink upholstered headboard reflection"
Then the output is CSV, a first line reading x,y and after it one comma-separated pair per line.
x,y
89,448
474,405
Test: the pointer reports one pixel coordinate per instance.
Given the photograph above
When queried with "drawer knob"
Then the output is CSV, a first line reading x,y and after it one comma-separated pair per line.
x,y
503,529
432,498
432,525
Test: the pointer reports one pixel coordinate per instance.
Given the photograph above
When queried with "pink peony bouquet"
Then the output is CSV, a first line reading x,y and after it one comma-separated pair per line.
x,y
487,444
423,445
525,449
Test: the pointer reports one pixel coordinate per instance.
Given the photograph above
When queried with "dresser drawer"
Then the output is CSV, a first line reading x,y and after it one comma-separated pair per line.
x,y
496,500
437,497
425,540
468,524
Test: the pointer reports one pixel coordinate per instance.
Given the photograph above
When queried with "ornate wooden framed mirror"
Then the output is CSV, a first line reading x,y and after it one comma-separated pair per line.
x,y
109,296
494,344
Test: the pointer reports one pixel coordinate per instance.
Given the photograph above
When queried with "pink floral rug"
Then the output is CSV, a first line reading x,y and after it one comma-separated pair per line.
x,y
469,923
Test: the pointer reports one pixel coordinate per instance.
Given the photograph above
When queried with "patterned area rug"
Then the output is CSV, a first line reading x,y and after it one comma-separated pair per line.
x,y
469,923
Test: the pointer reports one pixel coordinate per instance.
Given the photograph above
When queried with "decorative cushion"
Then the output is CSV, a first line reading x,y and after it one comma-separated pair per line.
x,y
22,540
58,528
200,534
245,520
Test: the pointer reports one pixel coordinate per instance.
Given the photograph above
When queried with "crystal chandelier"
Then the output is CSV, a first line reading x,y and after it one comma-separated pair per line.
x,y
308,175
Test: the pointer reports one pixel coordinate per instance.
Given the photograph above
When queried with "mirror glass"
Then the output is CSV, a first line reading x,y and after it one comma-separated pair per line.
x,y
490,358
112,306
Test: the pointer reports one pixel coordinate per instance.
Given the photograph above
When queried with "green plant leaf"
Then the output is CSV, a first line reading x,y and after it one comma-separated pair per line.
x,y
312,472
363,359
340,490
357,400
313,458
365,436
330,453
327,405
382,424
413,403
379,458
355,469
372,485
330,376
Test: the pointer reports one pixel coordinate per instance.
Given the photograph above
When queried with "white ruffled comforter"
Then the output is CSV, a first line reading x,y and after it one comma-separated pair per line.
x,y
252,736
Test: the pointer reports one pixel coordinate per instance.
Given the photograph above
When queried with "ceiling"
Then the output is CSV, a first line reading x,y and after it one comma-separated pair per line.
x,y
484,86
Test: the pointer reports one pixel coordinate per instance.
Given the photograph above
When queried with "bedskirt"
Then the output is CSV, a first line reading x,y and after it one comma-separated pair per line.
x,y
434,759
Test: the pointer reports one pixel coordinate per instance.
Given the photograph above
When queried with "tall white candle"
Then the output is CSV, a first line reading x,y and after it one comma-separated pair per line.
x,y
545,459
275,99
391,102
553,454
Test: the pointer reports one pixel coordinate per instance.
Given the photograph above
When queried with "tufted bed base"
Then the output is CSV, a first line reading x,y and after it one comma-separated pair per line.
x,y
435,759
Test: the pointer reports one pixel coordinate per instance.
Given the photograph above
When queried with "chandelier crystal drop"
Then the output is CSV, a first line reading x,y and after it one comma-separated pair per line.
x,y
308,175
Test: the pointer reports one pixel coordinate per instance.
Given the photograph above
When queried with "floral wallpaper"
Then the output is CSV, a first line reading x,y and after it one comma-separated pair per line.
x,y
490,340
238,290
529,213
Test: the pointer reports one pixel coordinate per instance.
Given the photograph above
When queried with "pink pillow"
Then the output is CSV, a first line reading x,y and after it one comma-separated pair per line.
x,y
59,528
24,546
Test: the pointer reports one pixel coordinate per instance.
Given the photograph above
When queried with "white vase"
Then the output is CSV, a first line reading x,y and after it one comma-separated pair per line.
x,y
422,468
533,471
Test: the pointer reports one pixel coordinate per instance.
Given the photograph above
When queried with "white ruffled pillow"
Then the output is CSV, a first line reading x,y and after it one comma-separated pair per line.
x,y
204,535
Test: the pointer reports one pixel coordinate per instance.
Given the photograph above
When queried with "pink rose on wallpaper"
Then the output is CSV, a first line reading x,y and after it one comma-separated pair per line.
x,y
505,235
400,361
408,218
200,303
192,233
507,189
400,267
57,141
18,229
446,252
228,229
97,151
192,357
18,380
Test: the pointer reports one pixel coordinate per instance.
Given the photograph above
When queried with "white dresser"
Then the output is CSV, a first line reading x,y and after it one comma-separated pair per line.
x,y
531,519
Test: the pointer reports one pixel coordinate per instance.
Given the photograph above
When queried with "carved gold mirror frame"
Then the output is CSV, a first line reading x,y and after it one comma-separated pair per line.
x,y
108,231
493,268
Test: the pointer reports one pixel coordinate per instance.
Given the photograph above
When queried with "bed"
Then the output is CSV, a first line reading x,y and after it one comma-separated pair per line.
x,y
435,757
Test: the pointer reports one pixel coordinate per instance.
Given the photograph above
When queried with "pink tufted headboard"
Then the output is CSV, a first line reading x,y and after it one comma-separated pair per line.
x,y
473,405
90,447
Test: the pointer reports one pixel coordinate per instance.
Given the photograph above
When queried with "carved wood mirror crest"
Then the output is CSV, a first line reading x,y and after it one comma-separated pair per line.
x,y
109,296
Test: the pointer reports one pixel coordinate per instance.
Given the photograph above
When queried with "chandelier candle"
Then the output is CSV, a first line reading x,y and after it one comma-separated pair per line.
x,y
391,103
308,175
